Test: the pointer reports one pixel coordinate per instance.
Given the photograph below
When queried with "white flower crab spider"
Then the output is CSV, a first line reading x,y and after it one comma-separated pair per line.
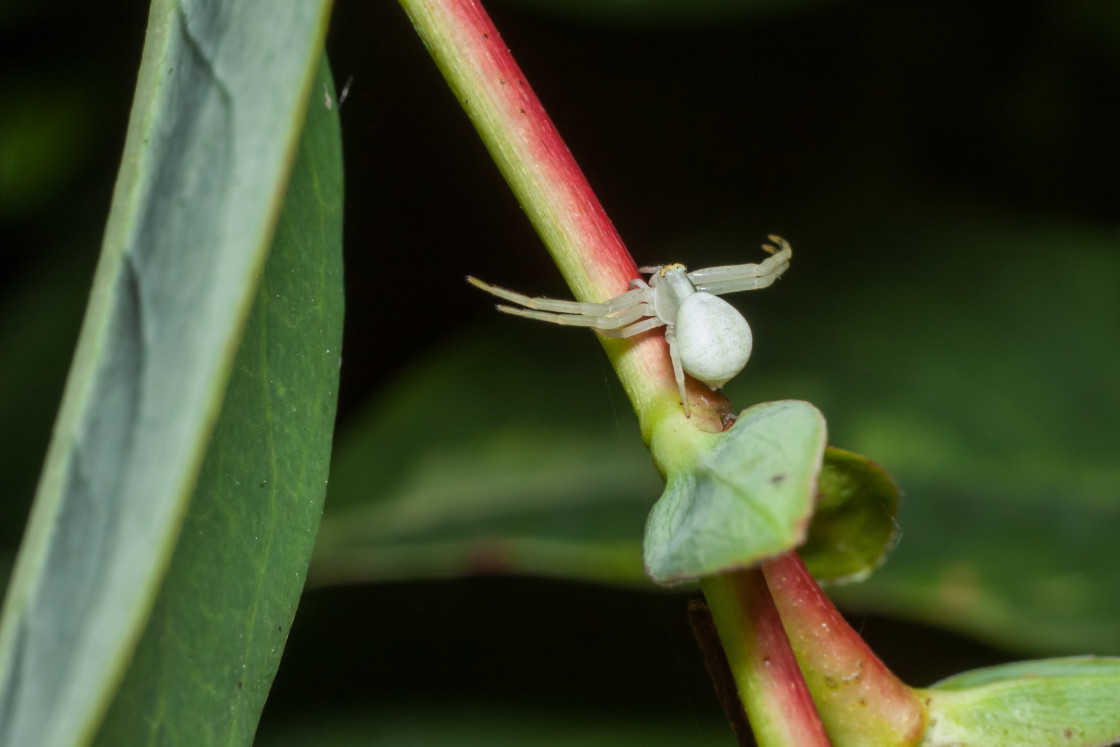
x,y
708,338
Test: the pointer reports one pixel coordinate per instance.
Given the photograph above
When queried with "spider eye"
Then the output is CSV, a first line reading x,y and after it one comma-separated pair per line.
x,y
674,266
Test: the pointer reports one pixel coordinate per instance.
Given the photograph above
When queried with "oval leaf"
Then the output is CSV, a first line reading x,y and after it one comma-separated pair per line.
x,y
748,495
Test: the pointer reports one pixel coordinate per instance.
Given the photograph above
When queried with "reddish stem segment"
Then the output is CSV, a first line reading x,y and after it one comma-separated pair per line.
x,y
551,188
771,687
530,147
860,701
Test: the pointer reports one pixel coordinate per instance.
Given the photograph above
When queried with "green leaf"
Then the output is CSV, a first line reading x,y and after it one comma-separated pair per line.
x,y
742,496
1072,702
485,725
854,523
533,481
241,561
218,110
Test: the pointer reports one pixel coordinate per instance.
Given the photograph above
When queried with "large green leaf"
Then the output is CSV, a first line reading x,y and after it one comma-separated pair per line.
x,y
990,397
562,492
501,726
217,115
241,560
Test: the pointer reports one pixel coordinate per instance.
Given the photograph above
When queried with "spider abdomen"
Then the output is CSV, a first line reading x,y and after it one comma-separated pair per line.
x,y
713,339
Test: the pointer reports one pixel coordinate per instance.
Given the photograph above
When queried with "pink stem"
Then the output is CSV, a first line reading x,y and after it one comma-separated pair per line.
x,y
771,686
860,701
552,190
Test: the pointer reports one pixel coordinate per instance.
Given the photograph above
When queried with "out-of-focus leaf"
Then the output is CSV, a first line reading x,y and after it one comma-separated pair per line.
x,y
218,110
486,456
456,726
990,396
854,522
241,560
1048,703
747,495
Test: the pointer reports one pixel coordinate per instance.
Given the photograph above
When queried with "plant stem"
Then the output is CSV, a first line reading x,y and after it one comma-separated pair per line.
x,y
554,194
596,265
860,701
762,663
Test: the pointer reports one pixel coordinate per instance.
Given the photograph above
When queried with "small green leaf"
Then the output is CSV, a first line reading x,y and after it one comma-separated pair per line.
x,y
735,498
1071,702
854,524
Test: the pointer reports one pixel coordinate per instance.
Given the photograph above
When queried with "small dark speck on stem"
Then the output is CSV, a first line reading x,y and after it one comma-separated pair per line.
x,y
779,479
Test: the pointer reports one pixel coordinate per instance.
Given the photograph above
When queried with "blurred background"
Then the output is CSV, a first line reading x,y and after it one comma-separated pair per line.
x,y
947,173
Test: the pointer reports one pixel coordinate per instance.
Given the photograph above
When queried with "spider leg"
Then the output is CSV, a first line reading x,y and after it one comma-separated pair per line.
x,y
644,325
678,369
604,324
732,278
626,300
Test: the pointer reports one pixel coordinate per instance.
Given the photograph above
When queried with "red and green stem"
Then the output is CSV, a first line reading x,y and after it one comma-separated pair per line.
x,y
861,702
554,194
753,616
762,663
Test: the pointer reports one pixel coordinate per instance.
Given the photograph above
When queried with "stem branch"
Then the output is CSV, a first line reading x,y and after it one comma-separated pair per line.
x,y
861,702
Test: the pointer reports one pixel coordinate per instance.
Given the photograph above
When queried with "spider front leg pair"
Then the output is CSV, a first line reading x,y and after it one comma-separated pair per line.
x,y
708,338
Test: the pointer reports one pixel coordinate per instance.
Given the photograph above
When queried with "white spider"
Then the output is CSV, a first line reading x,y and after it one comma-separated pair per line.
x,y
708,338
